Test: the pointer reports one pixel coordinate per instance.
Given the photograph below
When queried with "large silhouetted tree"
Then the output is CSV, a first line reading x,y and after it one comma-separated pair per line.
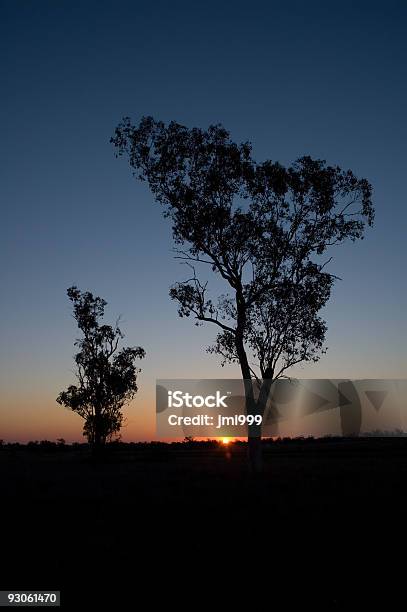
x,y
107,376
263,229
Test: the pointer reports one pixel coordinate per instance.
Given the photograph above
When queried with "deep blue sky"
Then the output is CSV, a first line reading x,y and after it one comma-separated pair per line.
x,y
314,78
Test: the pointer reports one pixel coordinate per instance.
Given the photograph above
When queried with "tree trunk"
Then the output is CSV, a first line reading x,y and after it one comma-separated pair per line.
x,y
256,407
97,437
254,449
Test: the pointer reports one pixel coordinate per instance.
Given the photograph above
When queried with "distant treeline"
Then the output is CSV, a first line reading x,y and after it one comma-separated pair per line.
x,y
190,443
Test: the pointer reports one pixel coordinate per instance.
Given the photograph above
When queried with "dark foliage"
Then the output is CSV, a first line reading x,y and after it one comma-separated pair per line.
x,y
264,229
107,377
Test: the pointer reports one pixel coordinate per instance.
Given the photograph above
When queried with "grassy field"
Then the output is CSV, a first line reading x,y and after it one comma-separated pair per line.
x,y
324,525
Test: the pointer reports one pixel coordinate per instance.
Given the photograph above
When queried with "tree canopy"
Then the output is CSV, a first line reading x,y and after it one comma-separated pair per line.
x,y
263,228
107,376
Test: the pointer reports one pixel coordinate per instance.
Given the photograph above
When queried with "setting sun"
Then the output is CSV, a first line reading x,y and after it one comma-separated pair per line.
x,y
225,441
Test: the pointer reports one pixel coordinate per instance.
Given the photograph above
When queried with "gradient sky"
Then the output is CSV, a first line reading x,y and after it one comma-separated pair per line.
x,y
319,78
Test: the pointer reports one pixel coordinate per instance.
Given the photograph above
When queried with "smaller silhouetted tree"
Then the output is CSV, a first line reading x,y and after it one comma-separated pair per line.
x,y
107,376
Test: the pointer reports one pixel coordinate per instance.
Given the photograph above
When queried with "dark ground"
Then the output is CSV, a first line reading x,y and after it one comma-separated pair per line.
x,y
325,526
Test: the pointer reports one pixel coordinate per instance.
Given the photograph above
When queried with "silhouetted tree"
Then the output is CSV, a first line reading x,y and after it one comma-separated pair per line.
x,y
263,229
107,377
